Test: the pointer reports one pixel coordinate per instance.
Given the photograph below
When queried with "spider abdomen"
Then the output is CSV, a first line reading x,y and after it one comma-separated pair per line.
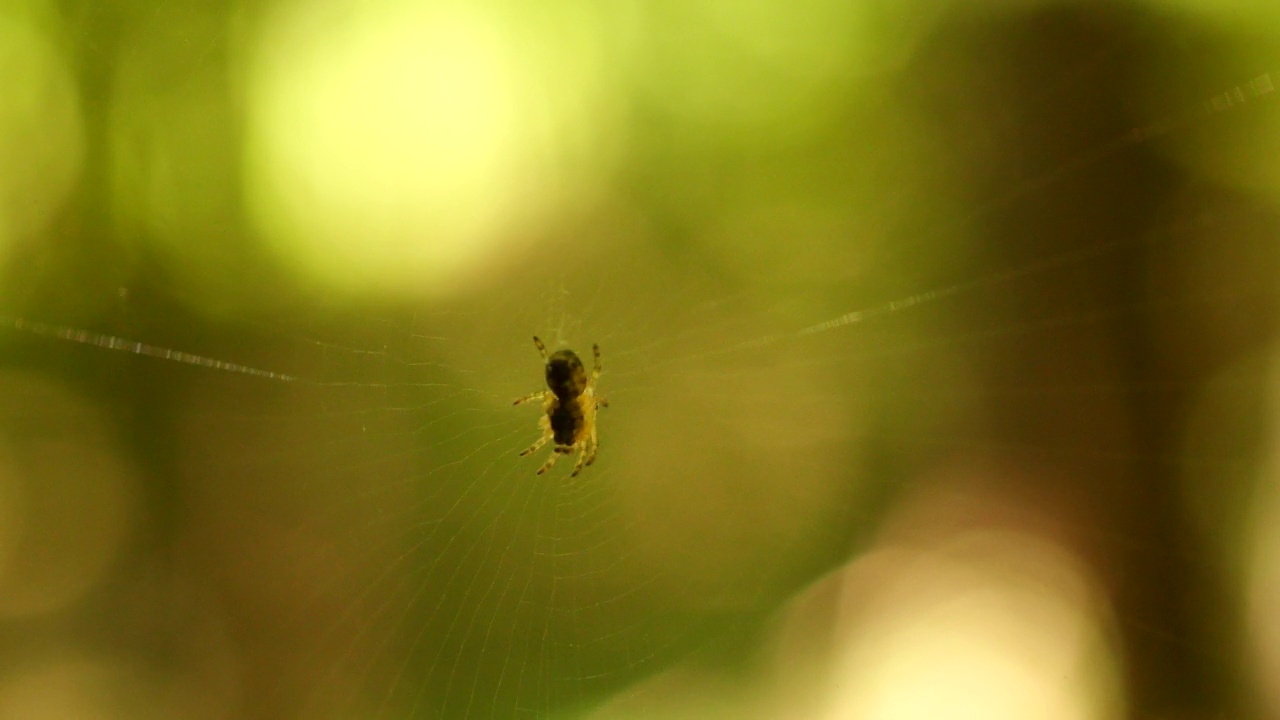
x,y
566,423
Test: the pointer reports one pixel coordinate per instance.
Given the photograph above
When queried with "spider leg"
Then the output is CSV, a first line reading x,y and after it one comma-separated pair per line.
x,y
534,447
555,455
582,457
595,372
541,348
594,446
541,394
601,401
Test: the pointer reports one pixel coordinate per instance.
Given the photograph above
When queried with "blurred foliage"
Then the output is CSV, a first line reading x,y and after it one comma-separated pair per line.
x,y
383,199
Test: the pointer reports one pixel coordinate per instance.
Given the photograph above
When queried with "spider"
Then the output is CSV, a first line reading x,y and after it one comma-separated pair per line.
x,y
569,407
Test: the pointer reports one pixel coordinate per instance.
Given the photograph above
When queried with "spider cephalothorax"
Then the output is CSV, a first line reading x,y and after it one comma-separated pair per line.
x,y
565,375
569,407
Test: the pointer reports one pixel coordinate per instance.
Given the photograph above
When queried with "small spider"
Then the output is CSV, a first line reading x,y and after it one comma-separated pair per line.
x,y
569,408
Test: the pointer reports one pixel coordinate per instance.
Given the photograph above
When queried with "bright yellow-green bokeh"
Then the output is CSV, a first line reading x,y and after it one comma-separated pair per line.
x,y
41,136
403,145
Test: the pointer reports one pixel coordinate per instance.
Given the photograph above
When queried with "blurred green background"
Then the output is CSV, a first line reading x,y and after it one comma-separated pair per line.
x,y
939,339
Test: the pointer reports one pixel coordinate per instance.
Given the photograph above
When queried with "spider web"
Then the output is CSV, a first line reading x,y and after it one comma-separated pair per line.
x,y
338,492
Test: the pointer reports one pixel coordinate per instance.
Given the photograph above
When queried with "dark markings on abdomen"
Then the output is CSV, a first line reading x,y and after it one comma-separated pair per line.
x,y
565,422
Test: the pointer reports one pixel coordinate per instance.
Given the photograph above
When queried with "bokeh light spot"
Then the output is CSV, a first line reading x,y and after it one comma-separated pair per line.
x,y
399,145
991,626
